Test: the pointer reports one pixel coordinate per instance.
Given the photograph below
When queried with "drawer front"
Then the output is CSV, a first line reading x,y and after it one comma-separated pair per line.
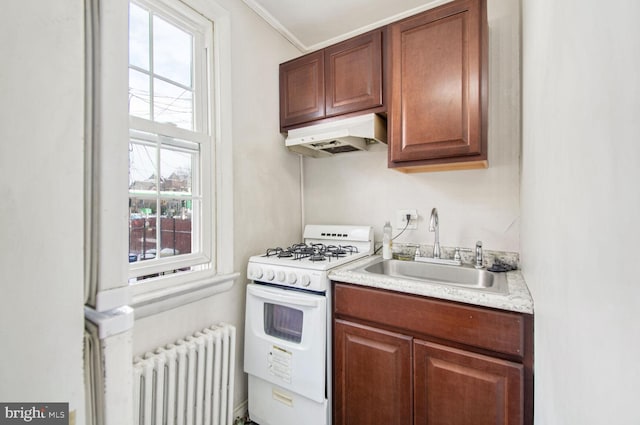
x,y
498,331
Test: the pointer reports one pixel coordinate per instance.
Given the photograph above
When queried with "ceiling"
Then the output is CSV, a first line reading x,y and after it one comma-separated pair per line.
x,y
313,24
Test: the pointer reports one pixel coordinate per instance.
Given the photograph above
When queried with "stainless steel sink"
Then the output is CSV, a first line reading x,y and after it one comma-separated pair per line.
x,y
460,276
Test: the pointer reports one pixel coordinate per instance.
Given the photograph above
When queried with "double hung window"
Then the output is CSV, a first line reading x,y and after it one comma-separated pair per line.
x,y
171,151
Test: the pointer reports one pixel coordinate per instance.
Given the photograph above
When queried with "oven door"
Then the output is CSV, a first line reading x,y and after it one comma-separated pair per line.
x,y
285,339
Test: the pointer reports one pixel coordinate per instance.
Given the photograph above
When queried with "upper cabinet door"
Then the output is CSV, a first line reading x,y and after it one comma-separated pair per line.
x,y
438,88
353,72
302,89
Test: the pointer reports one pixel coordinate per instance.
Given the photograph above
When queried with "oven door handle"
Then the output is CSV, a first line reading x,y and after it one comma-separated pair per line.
x,y
281,296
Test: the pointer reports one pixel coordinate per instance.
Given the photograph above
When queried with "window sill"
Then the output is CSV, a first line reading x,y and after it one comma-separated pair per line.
x,y
156,301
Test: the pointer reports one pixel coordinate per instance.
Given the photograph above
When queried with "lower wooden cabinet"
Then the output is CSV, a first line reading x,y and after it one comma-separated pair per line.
x,y
458,387
372,376
398,360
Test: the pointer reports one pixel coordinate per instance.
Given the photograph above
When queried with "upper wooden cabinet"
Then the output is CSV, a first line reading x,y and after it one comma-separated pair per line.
x,y
438,107
302,89
342,79
353,74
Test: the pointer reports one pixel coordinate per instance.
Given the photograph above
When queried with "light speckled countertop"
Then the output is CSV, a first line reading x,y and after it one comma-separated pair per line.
x,y
518,299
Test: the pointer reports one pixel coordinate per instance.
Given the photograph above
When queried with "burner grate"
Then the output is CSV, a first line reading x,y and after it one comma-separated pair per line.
x,y
314,252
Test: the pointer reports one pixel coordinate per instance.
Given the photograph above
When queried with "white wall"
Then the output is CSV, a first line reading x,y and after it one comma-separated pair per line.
x,y
358,188
266,183
41,170
580,207
41,202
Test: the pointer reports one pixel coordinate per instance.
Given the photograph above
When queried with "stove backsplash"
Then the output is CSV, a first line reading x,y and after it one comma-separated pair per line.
x,y
406,251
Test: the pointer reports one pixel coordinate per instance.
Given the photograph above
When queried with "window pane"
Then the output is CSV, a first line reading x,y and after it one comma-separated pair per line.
x,y
142,229
172,104
175,170
138,37
139,101
175,228
169,228
142,167
172,52
283,322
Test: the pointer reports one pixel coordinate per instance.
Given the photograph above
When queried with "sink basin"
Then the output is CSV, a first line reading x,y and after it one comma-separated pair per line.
x,y
460,276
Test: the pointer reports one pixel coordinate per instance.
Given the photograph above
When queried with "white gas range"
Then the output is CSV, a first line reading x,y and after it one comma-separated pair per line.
x,y
306,265
288,324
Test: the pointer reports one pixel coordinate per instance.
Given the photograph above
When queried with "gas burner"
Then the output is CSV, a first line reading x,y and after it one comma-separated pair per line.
x,y
272,252
350,249
341,250
336,251
301,251
312,252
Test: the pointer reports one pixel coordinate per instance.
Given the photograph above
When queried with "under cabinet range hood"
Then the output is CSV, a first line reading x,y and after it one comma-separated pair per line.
x,y
340,136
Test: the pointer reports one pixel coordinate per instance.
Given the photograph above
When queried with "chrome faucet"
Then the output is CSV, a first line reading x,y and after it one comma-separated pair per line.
x,y
479,263
433,227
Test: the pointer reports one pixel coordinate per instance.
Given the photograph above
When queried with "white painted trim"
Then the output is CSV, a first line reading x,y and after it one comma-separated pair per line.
x,y
241,410
374,25
222,132
151,297
151,127
112,322
106,122
117,352
112,298
154,302
278,26
271,20
204,193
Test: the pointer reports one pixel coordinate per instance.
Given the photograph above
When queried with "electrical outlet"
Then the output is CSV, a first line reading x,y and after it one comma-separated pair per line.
x,y
401,219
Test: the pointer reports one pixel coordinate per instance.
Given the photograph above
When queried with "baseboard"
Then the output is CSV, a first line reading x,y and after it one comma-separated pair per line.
x,y
241,410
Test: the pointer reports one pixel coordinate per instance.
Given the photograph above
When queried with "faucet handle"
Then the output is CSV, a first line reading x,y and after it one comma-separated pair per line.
x,y
479,263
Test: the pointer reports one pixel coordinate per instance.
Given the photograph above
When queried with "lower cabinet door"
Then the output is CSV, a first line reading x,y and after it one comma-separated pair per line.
x,y
457,387
372,376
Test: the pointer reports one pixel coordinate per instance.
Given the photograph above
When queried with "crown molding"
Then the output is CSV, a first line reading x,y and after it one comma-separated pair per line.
x,y
278,26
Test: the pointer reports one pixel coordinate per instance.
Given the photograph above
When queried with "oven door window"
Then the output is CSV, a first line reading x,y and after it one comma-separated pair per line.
x,y
283,322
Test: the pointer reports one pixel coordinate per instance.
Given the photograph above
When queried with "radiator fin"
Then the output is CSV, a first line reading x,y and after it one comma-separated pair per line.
x,y
189,382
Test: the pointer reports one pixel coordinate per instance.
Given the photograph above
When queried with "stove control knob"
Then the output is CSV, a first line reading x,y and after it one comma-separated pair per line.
x,y
255,272
305,280
280,276
268,274
292,278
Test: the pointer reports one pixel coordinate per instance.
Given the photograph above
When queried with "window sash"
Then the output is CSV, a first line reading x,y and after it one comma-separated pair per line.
x,y
197,141
143,129
201,29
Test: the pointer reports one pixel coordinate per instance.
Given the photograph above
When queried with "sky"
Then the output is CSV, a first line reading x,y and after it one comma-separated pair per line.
x,y
161,64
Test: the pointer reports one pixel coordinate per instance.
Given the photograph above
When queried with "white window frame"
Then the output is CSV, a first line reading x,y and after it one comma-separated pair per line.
x,y
203,233
157,294
107,164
